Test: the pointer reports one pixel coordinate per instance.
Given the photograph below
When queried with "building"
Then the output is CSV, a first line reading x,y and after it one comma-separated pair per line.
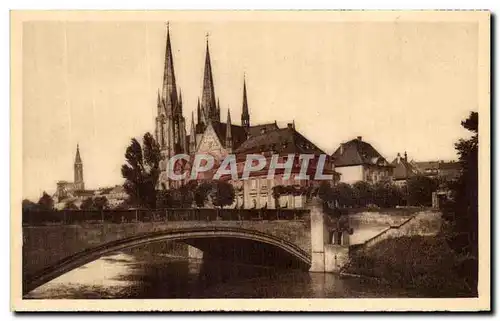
x,y
75,192
209,134
67,189
403,169
442,170
357,160
257,191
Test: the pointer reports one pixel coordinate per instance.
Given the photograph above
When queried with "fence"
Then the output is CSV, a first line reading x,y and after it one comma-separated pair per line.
x,y
170,214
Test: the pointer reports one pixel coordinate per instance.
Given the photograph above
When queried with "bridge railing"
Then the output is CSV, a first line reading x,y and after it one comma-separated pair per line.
x,y
161,215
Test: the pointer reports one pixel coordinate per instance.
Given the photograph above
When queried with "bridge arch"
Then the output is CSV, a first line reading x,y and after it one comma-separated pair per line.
x,y
71,262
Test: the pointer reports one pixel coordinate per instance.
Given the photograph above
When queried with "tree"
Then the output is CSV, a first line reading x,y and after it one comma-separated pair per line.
x,y
142,170
222,193
363,193
462,211
343,194
165,199
186,193
46,203
87,204
386,194
201,193
420,189
70,205
28,205
100,203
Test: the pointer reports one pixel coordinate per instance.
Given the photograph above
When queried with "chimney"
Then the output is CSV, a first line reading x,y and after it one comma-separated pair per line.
x,y
360,138
341,148
398,158
290,126
406,157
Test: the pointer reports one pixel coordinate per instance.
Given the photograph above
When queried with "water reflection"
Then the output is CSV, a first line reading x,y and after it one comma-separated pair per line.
x,y
143,274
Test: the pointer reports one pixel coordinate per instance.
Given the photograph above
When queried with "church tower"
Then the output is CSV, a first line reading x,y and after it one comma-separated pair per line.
x,y
170,128
245,116
78,171
208,105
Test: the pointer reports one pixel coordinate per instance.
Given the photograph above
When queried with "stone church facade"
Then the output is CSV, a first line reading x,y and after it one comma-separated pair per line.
x,y
208,134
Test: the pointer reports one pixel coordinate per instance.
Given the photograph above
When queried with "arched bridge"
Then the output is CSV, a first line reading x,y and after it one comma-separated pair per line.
x,y
291,253
52,247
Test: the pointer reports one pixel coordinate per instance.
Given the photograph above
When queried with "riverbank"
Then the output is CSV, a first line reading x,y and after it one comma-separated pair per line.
x,y
423,263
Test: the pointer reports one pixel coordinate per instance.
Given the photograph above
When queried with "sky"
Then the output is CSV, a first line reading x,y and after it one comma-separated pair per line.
x,y
402,86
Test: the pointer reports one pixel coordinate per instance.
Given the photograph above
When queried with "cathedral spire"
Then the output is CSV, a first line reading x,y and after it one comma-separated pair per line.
x,y
169,92
180,102
229,136
245,116
198,113
78,170
208,96
78,159
192,135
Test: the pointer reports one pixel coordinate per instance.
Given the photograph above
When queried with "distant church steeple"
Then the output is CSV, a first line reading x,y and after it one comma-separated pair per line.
x,y
78,170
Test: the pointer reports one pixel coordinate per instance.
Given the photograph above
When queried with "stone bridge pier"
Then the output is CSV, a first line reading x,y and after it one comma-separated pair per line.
x,y
328,254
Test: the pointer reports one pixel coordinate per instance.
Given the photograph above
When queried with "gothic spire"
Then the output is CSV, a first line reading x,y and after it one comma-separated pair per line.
x,y
192,135
208,97
198,113
229,136
180,102
169,93
245,116
78,159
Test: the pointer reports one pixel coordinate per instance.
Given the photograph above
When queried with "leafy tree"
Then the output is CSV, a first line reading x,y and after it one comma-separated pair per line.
x,y
343,194
70,205
165,199
386,194
187,192
419,190
142,170
87,204
325,192
201,193
462,211
28,205
363,193
222,193
46,203
100,203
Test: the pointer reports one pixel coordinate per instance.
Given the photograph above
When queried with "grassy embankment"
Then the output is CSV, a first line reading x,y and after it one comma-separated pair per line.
x,y
422,263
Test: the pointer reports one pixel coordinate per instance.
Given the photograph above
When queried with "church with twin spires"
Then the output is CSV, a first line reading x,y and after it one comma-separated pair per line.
x,y
208,133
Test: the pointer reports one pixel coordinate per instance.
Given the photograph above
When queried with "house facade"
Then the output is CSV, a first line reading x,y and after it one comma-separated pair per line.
x,y
357,160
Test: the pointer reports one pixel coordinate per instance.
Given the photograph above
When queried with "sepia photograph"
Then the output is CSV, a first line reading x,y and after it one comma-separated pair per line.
x,y
242,155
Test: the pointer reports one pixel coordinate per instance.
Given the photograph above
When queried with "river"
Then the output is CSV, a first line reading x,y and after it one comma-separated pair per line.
x,y
147,274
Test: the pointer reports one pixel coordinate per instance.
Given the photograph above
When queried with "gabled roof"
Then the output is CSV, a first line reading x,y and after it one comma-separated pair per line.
x,y
402,169
281,141
256,130
238,133
358,152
